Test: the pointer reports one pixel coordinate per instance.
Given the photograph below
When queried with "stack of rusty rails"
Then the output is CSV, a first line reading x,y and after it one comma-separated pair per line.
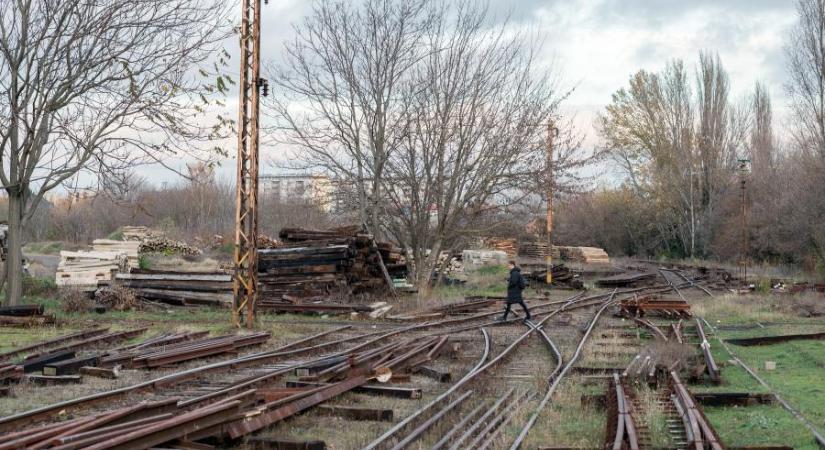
x,y
640,306
178,288
51,343
10,373
562,275
64,358
24,315
151,357
700,433
627,279
309,307
338,262
92,342
125,353
471,304
227,417
710,364
621,427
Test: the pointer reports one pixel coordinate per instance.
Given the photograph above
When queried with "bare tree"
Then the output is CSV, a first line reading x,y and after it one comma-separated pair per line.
x,y
97,86
337,90
806,87
475,131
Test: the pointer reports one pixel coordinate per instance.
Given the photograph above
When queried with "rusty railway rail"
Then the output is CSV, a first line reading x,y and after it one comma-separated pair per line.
x,y
621,427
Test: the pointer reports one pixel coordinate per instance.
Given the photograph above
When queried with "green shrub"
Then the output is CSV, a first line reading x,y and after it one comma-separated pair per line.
x,y
143,262
493,270
38,286
116,235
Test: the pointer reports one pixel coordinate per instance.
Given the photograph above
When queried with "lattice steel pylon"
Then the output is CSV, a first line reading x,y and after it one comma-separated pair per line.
x,y
245,279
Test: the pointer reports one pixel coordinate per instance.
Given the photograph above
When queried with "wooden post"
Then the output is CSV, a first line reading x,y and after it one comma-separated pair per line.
x,y
551,134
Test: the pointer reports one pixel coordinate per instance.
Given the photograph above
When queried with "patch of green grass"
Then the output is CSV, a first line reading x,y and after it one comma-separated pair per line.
x,y
116,235
761,425
38,287
43,248
144,262
492,270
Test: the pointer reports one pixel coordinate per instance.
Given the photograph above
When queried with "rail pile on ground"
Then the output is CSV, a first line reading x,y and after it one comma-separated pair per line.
x,y
238,409
338,263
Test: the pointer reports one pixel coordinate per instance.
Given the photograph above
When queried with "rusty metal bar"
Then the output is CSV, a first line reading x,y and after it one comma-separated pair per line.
x,y
421,429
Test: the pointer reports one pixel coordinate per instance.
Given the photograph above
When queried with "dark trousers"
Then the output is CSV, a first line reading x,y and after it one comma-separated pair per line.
x,y
523,306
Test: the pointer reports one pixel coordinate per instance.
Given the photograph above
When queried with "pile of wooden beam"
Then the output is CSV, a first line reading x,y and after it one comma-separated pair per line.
x,y
590,255
128,248
339,263
506,245
135,233
179,288
87,268
24,315
536,250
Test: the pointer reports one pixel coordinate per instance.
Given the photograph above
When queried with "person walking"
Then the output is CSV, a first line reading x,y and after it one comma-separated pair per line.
x,y
515,285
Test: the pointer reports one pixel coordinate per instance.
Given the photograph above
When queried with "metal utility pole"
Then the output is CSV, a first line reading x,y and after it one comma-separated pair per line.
x,y
743,257
245,279
552,132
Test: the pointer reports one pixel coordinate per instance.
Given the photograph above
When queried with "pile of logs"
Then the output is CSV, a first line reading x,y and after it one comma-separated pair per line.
x,y
179,288
87,268
161,244
338,262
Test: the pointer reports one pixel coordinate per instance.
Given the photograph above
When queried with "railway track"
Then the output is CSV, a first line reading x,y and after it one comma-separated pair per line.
x,y
481,416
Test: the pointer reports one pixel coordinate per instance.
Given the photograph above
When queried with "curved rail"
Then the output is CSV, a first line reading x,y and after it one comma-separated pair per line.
x,y
551,389
471,375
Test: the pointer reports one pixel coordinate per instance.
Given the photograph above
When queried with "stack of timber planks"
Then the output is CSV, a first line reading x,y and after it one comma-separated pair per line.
x,y
536,249
78,269
179,288
506,245
590,255
323,263
128,248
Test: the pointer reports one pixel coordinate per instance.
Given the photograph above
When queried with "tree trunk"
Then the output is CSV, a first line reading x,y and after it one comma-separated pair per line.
x,y
14,259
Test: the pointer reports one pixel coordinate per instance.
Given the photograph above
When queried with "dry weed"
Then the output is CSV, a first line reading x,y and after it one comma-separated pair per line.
x,y
74,301
118,298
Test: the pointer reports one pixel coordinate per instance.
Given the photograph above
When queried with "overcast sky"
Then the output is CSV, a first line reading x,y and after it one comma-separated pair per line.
x,y
595,45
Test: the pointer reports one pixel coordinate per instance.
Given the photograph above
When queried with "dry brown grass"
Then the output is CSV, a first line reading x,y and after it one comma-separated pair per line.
x,y
74,301
118,298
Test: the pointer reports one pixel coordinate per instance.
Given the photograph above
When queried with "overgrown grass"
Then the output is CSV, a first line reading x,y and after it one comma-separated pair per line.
x,y
797,378
116,235
762,425
43,248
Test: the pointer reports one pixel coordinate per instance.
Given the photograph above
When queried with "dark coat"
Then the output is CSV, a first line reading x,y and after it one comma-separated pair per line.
x,y
514,286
